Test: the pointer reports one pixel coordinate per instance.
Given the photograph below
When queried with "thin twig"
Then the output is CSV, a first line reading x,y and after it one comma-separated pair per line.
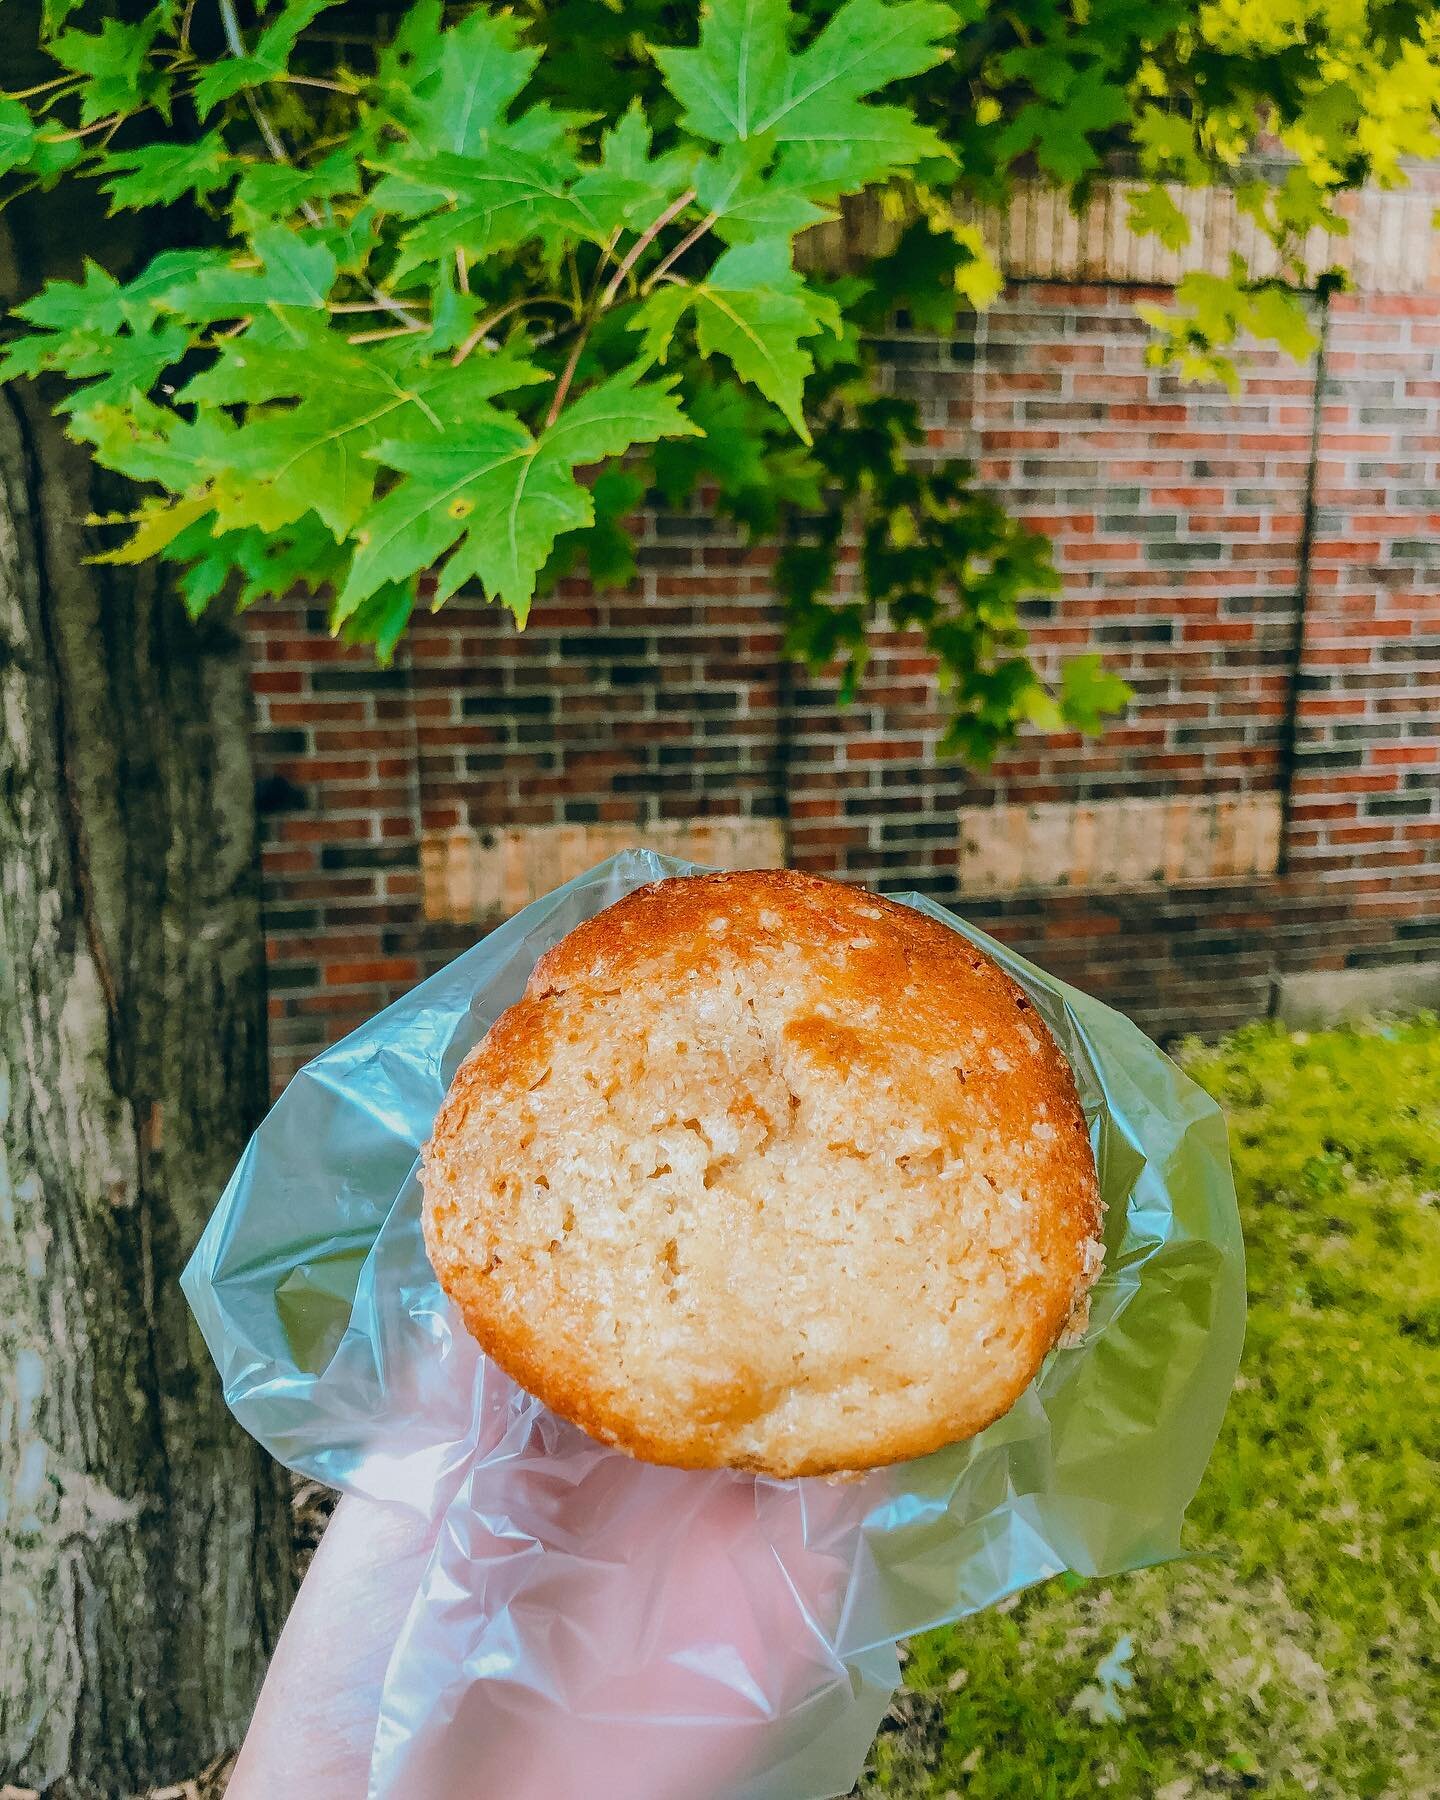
x,y
393,331
643,242
185,26
566,379
19,193
685,243
462,269
382,303
275,145
110,122
41,87
233,39
315,81
491,320
605,256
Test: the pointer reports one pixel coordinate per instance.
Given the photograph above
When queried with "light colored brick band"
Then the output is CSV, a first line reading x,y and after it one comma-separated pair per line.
x,y
478,875
1392,246
1116,844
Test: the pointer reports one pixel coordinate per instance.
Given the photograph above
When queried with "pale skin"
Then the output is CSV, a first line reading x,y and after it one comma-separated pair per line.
x,y
314,1724
315,1720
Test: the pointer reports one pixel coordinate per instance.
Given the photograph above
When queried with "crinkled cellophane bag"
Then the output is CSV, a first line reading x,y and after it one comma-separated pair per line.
x,y
669,1634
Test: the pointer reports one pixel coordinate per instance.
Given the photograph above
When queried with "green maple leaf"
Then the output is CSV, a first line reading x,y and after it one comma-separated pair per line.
x,y
52,156
211,560
731,452
1060,134
752,309
380,619
149,442
318,454
756,471
493,201
118,366
746,202
919,274
103,328
1215,303
115,60
201,284
305,555
154,527
409,65
17,135
265,61
29,355
295,271
95,303
606,545
1153,213
865,46
868,145
1168,141
735,77
495,498
158,174
269,192
1088,691
1281,316
630,187
743,81
467,81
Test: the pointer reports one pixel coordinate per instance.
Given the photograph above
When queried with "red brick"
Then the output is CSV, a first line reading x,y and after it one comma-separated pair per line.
x,y
384,968
708,623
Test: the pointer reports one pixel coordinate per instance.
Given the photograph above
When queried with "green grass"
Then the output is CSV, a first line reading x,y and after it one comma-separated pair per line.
x,y
1303,1655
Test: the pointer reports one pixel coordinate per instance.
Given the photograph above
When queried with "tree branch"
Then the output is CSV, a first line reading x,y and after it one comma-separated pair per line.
x,y
276,146
503,312
569,375
643,242
669,262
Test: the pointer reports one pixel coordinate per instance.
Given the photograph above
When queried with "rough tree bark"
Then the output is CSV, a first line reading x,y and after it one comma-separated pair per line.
x,y
144,1541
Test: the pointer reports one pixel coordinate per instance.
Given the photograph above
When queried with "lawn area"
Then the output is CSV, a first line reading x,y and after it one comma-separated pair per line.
x,y
1301,1653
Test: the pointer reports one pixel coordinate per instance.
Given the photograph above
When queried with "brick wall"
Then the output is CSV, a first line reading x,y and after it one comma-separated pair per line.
x,y
1267,812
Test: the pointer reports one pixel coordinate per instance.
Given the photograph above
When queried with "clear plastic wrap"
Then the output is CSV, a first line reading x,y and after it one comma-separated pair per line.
x,y
671,1635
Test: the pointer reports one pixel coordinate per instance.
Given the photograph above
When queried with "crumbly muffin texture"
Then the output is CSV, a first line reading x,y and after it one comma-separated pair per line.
x,y
768,1172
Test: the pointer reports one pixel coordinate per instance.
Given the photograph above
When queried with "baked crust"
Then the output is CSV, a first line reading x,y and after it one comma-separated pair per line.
x,y
768,1172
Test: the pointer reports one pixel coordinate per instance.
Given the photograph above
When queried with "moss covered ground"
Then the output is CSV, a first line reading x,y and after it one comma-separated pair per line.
x,y
1300,1653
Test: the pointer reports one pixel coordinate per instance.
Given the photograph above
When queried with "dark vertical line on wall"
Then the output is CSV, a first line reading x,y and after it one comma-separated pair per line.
x,y
1290,728
414,791
784,741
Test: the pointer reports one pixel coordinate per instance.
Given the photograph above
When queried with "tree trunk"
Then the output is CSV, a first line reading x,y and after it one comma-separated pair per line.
x,y
144,1541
